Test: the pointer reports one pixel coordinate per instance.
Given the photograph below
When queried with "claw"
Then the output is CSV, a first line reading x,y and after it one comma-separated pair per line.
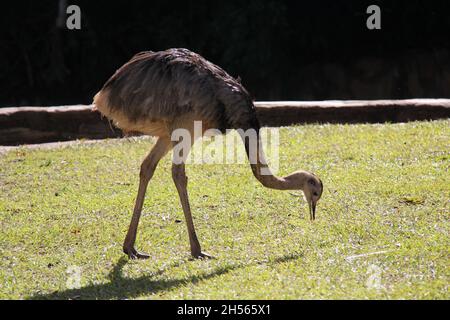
x,y
202,255
134,254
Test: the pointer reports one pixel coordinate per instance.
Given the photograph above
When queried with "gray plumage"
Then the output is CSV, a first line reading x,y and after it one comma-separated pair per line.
x,y
171,84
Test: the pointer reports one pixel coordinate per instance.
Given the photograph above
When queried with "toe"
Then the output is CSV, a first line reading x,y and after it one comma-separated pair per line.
x,y
133,254
142,255
202,255
207,255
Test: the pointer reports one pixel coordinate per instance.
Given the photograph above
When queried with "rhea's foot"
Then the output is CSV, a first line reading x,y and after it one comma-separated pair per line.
x,y
134,254
202,255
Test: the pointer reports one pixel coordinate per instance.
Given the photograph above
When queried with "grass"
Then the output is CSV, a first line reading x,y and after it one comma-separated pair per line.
x,y
387,191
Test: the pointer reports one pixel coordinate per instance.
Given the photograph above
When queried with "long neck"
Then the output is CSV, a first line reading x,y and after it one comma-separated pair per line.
x,y
259,166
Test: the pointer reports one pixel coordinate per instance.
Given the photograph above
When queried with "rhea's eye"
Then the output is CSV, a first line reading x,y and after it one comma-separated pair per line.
x,y
312,182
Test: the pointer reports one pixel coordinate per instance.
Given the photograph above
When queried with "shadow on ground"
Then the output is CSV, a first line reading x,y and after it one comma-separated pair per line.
x,y
120,287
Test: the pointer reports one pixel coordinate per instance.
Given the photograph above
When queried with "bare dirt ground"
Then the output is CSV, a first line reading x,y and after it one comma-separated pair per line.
x,y
63,144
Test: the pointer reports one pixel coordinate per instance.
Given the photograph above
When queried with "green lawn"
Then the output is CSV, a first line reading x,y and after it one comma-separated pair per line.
x,y
387,192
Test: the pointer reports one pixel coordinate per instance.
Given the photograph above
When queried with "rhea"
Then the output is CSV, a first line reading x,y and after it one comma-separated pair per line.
x,y
156,93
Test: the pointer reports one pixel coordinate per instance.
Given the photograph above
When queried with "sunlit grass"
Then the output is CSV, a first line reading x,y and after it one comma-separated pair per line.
x,y
387,191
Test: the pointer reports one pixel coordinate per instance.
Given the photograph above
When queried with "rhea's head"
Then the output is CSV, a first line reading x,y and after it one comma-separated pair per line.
x,y
311,186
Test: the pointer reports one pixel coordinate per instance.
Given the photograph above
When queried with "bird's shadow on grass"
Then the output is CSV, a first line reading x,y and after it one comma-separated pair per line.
x,y
120,287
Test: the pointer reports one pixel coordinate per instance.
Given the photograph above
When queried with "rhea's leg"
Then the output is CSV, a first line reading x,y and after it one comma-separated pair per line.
x,y
148,167
180,179
181,147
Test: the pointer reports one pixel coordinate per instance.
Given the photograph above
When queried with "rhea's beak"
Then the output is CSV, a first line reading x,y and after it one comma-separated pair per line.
x,y
312,209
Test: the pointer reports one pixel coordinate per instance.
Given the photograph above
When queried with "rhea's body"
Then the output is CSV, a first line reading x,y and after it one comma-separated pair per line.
x,y
157,93
154,90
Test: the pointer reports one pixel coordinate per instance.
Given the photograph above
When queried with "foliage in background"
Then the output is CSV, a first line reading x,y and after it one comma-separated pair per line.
x,y
278,48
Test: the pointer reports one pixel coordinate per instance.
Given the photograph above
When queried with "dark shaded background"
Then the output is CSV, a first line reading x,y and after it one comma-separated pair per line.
x,y
282,50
